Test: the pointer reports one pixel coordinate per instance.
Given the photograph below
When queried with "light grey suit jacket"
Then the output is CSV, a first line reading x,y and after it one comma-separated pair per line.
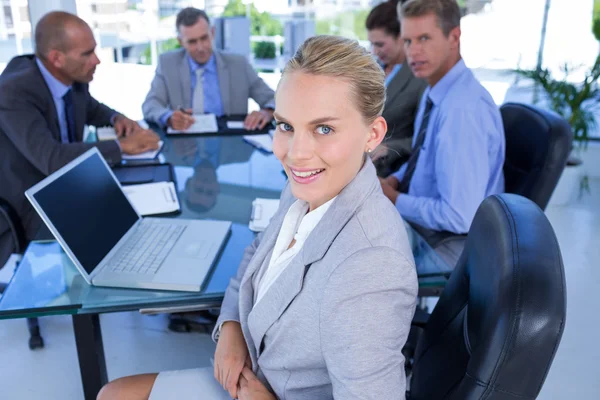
x,y
171,86
401,104
333,324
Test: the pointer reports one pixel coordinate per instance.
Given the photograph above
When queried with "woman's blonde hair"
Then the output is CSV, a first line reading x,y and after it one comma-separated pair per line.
x,y
343,58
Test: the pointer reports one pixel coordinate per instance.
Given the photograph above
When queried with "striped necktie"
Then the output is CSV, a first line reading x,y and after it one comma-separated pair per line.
x,y
412,161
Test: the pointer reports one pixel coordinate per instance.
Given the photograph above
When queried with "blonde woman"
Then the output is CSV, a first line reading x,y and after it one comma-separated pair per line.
x,y
323,299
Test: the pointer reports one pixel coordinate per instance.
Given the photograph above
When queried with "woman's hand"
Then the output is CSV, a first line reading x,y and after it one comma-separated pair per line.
x,y
251,388
230,357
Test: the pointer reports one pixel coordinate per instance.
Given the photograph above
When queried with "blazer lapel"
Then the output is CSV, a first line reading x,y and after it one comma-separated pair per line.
x,y
246,291
186,82
224,82
276,300
54,125
289,284
398,84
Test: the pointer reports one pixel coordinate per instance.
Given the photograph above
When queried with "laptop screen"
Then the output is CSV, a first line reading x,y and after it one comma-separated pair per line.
x,y
88,209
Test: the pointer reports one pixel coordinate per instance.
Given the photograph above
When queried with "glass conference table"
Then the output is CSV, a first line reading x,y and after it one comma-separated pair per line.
x,y
217,177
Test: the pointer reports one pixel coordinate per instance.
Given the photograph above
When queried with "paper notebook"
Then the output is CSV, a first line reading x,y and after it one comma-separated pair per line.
x,y
262,142
147,155
153,198
262,212
204,123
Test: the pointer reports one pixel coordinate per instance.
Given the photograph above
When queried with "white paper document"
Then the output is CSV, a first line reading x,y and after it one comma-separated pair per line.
x,y
147,155
204,123
153,198
235,124
262,212
263,142
106,133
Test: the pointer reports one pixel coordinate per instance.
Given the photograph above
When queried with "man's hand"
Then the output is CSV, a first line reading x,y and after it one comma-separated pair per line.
x,y
181,120
258,119
138,142
251,388
391,192
125,126
230,357
392,181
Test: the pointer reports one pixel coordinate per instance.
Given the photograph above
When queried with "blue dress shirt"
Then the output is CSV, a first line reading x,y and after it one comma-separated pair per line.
x,y
58,90
392,74
211,89
461,160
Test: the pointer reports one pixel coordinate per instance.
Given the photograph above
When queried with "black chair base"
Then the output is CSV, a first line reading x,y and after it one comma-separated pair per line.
x,y
198,321
35,339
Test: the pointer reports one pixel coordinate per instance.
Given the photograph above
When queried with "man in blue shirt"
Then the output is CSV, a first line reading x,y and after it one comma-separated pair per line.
x,y
458,143
197,80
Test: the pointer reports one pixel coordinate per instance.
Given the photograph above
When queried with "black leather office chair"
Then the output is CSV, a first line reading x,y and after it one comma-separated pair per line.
x,y
499,321
538,143
17,243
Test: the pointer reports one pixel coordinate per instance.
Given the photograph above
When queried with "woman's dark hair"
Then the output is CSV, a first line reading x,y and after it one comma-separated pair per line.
x,y
384,16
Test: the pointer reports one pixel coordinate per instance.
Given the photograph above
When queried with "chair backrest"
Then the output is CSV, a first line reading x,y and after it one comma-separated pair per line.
x,y
499,321
538,143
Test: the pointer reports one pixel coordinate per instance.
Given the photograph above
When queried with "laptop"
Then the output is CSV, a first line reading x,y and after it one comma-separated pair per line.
x,y
85,208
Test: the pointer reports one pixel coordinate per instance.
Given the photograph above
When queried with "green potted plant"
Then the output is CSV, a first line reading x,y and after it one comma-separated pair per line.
x,y
577,102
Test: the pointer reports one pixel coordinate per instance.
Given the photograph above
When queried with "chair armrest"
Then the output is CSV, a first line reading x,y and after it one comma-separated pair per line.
x,y
14,223
420,318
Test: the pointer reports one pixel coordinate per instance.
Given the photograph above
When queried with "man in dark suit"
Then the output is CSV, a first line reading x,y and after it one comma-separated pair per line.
x,y
402,89
44,105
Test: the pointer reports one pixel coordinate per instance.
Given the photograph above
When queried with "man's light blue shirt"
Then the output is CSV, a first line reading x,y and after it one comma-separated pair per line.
x,y
211,89
461,160
58,90
392,74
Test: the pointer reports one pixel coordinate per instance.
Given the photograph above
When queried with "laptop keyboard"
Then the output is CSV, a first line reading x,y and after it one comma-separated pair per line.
x,y
147,248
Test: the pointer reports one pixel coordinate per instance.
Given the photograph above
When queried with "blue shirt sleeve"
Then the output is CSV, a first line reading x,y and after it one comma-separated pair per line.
x,y
165,117
461,170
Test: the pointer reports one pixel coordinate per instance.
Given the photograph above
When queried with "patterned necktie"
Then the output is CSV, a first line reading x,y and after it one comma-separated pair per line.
x,y
412,161
198,100
70,115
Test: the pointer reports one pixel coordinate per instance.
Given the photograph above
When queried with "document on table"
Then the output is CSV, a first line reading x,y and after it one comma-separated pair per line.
x,y
204,123
109,133
153,198
147,155
262,142
262,212
106,133
235,124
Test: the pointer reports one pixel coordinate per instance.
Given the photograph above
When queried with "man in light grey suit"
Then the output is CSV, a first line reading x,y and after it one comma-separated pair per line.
x,y
197,80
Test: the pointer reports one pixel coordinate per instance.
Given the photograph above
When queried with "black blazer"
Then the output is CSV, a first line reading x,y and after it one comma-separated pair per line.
x,y
401,104
30,144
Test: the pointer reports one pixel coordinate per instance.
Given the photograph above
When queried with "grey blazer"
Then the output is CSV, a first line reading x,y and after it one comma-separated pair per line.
x,y
30,144
333,324
171,86
401,104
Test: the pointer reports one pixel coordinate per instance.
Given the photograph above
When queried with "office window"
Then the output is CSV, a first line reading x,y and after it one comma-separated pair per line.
x,y
15,30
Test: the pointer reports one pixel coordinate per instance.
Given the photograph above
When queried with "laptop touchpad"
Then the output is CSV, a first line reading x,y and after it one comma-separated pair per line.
x,y
197,250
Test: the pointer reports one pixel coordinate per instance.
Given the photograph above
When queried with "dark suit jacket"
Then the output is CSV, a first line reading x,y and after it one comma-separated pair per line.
x,y
30,145
401,104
